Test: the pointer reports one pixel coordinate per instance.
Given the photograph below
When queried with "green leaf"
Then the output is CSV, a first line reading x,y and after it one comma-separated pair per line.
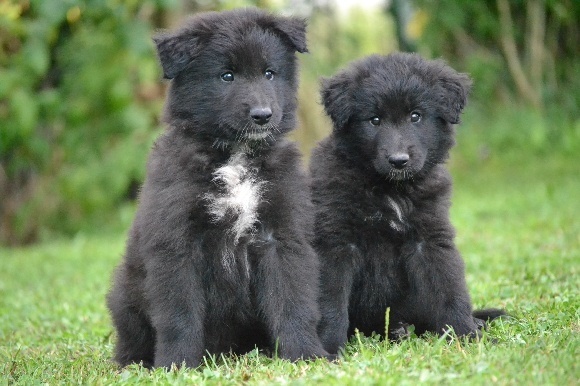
x,y
35,55
24,108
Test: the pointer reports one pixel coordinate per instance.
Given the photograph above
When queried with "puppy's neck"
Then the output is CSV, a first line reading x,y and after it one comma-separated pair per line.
x,y
250,149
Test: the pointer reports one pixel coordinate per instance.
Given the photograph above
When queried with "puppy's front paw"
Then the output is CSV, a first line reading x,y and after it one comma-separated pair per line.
x,y
465,327
168,362
331,357
400,331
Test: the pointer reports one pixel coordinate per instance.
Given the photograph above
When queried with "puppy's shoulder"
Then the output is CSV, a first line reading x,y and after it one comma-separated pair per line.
x,y
324,159
334,180
175,155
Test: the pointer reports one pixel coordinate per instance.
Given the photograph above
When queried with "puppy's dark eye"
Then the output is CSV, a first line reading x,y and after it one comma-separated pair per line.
x,y
415,117
375,121
228,76
269,74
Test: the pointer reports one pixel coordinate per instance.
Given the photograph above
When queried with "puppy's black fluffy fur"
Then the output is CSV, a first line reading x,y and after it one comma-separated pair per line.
x,y
382,196
219,255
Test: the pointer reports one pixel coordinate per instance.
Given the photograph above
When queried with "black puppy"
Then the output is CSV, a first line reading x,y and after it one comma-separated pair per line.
x,y
381,194
219,257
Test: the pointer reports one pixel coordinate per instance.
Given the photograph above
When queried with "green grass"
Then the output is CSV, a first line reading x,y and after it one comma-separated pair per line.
x,y
518,230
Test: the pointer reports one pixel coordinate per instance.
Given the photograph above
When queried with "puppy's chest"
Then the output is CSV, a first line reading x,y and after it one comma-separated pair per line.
x,y
235,196
389,211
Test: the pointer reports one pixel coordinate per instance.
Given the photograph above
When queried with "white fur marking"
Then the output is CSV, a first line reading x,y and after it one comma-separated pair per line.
x,y
353,248
246,263
241,195
396,208
228,260
398,227
375,217
420,247
395,226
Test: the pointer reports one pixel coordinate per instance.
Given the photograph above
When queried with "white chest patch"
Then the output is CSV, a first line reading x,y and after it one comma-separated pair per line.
x,y
398,225
239,196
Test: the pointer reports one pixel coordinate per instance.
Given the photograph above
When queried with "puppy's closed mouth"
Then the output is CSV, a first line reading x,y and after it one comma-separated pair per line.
x,y
400,175
258,134
261,133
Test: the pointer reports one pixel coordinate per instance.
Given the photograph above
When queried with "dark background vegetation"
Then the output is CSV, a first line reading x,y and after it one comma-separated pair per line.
x,y
81,91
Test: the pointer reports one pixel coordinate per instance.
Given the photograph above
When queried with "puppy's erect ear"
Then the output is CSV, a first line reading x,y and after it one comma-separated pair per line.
x,y
175,51
454,89
336,99
293,30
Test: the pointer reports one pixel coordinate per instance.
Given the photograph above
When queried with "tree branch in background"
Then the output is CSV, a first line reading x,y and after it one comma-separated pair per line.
x,y
402,11
510,50
536,15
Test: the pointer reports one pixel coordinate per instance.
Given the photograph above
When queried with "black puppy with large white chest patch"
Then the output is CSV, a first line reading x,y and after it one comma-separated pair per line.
x,y
382,196
219,256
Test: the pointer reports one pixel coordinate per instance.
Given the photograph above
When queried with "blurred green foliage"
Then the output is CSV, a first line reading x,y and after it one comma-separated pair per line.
x,y
524,58
79,99
81,91
523,48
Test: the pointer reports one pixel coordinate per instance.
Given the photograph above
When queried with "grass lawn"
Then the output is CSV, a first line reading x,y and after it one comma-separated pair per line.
x,y
518,230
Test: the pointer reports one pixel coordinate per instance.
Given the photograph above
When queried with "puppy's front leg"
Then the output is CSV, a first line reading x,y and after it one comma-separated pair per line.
x,y
336,279
286,284
177,309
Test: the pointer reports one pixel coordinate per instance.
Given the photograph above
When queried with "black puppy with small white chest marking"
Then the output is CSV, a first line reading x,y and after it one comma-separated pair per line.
x,y
219,257
382,196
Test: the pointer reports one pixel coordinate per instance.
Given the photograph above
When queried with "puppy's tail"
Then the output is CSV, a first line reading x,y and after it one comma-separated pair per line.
x,y
489,314
483,317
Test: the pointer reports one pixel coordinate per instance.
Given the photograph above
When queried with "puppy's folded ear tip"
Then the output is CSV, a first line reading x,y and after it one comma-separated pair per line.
x,y
175,51
293,29
160,36
324,85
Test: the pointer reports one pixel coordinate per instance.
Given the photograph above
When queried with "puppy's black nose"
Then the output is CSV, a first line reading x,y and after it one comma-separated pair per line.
x,y
399,160
261,115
